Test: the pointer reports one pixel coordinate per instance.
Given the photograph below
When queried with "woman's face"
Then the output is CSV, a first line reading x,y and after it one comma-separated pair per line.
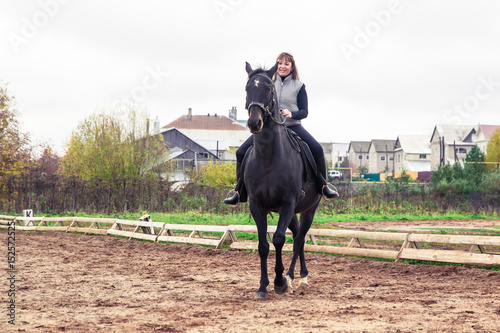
x,y
284,67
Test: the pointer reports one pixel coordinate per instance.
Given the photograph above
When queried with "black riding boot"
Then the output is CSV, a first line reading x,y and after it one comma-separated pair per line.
x,y
327,192
241,192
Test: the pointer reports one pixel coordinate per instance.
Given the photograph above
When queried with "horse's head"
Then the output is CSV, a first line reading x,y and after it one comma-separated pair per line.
x,y
261,99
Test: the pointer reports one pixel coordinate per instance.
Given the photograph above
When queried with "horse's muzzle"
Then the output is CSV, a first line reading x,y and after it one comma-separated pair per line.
x,y
255,128
255,121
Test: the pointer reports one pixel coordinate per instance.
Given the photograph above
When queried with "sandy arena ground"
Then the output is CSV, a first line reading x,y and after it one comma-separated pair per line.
x,y
83,283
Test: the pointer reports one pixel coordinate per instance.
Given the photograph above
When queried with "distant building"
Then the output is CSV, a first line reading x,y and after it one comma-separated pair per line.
x,y
450,144
186,153
222,135
340,153
358,154
412,153
482,135
381,154
335,153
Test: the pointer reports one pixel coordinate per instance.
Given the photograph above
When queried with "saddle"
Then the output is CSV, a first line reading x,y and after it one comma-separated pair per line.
x,y
305,152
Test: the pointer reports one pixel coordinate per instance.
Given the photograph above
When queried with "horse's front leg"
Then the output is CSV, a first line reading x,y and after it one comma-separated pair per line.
x,y
260,219
280,282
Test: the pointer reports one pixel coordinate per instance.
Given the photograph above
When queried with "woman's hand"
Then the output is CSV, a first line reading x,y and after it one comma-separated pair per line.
x,y
286,113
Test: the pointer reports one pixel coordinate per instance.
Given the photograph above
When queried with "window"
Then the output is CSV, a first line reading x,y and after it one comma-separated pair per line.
x,y
367,157
391,158
360,157
382,158
340,158
460,150
423,156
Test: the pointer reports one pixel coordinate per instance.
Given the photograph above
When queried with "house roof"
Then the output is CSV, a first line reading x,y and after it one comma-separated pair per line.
x,y
453,133
340,148
487,130
359,146
207,122
188,143
413,144
382,145
214,145
335,148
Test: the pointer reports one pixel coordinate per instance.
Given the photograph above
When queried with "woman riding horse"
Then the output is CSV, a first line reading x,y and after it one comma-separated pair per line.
x,y
292,99
277,180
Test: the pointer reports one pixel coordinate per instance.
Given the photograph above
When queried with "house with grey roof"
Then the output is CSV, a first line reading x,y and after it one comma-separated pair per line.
x,y
381,153
412,153
184,152
450,144
358,154
335,153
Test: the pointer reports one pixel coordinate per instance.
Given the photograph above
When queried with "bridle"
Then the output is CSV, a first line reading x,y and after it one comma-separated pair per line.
x,y
267,108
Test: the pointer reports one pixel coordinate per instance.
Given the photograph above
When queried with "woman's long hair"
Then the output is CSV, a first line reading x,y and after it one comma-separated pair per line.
x,y
286,56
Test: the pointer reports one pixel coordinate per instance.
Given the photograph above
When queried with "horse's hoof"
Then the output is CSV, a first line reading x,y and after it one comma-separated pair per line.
x,y
289,284
303,283
261,295
281,289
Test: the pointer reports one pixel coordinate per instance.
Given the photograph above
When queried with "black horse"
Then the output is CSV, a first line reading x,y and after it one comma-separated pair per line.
x,y
276,180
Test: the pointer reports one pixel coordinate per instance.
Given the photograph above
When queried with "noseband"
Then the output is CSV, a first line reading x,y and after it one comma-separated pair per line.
x,y
265,108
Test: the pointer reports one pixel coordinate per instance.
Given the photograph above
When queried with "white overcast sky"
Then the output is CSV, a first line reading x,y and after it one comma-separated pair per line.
x,y
373,69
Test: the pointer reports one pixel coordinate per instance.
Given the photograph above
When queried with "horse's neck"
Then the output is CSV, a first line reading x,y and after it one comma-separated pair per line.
x,y
271,142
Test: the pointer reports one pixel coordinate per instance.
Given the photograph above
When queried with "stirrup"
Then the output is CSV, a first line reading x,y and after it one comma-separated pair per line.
x,y
334,194
234,200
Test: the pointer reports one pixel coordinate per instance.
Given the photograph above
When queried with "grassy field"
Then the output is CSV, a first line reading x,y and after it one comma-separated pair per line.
x,y
319,219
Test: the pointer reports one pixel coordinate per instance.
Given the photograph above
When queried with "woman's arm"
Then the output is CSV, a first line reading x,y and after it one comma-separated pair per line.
x,y
302,104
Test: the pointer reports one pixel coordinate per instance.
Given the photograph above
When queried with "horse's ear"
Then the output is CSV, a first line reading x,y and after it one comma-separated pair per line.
x,y
273,70
248,67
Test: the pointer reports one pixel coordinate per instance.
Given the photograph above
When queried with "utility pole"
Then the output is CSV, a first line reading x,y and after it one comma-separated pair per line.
x,y
360,160
386,159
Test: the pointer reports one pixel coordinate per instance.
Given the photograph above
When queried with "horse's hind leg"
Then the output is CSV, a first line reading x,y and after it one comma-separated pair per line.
x,y
294,228
261,222
306,219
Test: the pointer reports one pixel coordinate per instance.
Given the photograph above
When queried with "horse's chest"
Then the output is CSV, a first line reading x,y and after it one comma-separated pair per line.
x,y
272,186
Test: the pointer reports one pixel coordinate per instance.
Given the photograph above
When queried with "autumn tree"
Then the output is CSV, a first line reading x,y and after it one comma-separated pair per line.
x,y
113,156
220,176
107,146
14,148
493,148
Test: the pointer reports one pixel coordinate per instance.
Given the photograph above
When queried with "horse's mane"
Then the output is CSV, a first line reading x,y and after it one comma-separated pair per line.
x,y
258,70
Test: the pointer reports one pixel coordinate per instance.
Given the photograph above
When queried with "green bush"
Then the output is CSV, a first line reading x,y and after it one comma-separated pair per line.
x,y
491,186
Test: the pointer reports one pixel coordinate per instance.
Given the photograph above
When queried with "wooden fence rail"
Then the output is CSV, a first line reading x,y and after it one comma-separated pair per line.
x,y
483,250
